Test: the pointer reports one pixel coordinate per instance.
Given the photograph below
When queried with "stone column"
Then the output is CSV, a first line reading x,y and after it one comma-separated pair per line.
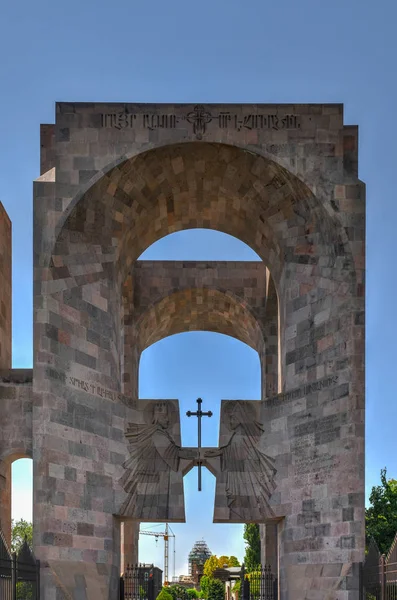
x,y
5,358
5,500
269,546
5,289
129,544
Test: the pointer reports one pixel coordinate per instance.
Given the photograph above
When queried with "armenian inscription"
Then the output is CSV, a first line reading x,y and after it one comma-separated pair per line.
x,y
89,387
199,119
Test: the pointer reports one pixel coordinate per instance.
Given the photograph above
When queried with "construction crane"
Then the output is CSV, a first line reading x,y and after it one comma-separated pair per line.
x,y
166,535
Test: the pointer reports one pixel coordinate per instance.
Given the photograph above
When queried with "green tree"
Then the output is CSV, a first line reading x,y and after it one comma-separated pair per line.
x,y
381,516
216,590
210,565
252,539
254,578
173,590
164,595
237,586
192,593
204,583
20,530
229,561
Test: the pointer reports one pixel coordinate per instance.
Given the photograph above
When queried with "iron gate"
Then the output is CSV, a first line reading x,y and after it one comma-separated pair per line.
x,y
379,574
261,584
140,582
19,573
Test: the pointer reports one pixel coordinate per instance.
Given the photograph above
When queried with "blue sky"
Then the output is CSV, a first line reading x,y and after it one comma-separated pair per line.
x,y
234,51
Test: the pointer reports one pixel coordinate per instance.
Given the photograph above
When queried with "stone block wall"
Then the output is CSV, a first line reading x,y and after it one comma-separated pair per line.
x,y
283,179
5,289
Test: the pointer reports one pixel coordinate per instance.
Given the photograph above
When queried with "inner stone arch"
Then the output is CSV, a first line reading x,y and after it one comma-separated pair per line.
x,y
200,310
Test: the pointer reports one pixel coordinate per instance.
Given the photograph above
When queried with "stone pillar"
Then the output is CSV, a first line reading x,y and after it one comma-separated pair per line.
x,y
5,289
270,368
5,500
5,358
269,546
129,544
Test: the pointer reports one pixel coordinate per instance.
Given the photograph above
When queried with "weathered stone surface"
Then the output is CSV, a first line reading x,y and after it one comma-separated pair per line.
x,y
282,178
5,289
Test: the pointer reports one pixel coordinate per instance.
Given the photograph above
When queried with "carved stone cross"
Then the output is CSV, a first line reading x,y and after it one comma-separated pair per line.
x,y
199,413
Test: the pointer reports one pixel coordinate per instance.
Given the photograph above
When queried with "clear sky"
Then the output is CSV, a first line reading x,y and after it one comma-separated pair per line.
x,y
224,51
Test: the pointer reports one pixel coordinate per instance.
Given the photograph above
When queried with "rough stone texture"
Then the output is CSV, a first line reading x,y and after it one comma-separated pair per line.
x,y
5,289
5,360
47,148
245,475
152,477
15,433
282,178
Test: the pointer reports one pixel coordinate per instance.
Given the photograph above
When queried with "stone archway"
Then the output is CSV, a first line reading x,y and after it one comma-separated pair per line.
x,y
87,240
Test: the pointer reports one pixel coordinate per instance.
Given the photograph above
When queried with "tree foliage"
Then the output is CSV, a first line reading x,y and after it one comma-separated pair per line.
x,y
204,583
216,590
213,562
223,561
254,577
237,586
173,590
252,558
381,516
210,565
19,531
164,595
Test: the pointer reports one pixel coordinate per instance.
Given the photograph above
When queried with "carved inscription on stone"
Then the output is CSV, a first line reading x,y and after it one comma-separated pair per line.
x,y
303,391
200,119
89,387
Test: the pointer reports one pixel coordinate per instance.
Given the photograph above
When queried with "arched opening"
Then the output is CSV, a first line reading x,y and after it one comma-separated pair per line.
x,y
22,496
198,342
16,493
185,366
221,285
190,185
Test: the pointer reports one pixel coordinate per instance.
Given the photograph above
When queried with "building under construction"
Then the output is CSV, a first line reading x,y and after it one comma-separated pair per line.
x,y
197,557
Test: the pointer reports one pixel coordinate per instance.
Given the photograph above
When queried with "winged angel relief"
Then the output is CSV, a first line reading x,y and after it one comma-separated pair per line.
x,y
152,478
245,475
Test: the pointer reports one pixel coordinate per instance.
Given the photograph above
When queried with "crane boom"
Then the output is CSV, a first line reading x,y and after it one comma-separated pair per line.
x,y
166,535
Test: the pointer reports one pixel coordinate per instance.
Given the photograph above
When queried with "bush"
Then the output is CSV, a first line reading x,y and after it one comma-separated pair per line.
x,y
237,586
173,590
204,581
216,590
192,593
164,595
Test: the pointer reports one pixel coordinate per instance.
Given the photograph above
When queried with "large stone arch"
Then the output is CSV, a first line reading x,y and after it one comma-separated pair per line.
x,y
115,194
199,185
226,188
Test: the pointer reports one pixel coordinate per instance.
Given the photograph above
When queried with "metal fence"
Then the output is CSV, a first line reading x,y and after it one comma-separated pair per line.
x,y
379,574
140,582
261,584
19,573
